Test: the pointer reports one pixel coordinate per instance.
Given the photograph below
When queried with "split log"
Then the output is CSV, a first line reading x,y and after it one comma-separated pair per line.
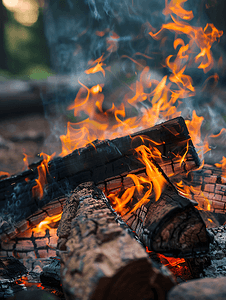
x,y
106,161
171,226
103,260
209,189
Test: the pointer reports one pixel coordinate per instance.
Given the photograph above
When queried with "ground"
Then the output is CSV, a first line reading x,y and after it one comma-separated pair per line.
x,y
26,134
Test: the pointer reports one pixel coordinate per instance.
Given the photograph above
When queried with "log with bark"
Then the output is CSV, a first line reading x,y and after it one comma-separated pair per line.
x,y
106,161
103,260
172,225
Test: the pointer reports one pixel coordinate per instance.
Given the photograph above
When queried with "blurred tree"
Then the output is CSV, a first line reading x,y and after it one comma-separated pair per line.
x,y
3,19
23,43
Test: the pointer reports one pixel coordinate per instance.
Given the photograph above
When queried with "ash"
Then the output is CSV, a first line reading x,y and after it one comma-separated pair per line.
x,y
217,253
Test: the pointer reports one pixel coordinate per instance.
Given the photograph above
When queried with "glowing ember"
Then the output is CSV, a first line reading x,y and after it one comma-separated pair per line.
x,y
170,262
38,189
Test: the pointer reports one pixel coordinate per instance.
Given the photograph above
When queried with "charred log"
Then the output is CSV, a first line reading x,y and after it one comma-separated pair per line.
x,y
209,187
171,226
108,159
102,260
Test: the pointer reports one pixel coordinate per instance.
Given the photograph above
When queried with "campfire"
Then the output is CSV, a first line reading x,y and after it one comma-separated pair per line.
x,y
129,208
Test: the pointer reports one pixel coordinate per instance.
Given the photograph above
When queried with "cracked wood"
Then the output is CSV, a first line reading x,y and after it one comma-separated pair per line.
x,y
101,259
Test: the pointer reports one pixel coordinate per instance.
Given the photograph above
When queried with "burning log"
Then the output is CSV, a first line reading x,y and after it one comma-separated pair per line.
x,y
171,225
206,186
103,261
100,162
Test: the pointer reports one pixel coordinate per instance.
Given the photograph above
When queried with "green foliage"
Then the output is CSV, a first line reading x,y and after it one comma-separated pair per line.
x,y
27,52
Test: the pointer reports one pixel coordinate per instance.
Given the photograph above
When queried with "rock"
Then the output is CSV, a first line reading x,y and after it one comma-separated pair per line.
x,y
200,289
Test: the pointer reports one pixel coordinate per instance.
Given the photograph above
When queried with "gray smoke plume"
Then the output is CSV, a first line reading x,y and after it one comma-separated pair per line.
x,y
80,31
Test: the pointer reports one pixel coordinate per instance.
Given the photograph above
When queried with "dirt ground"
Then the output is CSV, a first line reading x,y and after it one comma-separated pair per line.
x,y
26,134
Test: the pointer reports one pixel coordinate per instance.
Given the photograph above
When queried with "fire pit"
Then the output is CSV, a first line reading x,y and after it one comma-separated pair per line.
x,y
129,208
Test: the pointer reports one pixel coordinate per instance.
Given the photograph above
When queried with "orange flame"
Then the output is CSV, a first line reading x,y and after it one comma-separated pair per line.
x,y
144,186
203,202
161,97
5,174
222,165
194,128
171,261
168,261
38,189
175,6
45,223
199,37
25,160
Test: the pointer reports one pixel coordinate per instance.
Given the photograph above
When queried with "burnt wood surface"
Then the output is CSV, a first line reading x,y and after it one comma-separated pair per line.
x,y
171,226
107,160
209,189
11,270
103,260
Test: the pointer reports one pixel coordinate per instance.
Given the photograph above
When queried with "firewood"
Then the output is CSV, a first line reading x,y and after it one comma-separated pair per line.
x,y
209,188
171,226
103,260
106,161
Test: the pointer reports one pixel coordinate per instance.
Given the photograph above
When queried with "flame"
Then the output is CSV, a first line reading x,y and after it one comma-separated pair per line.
x,y
152,100
171,261
25,160
5,174
143,186
199,37
38,189
168,261
98,67
188,191
176,8
222,165
161,97
194,128
43,225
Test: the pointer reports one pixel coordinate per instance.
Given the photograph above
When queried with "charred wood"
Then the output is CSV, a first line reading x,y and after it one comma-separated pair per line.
x,y
99,162
171,226
50,275
103,260
11,270
209,187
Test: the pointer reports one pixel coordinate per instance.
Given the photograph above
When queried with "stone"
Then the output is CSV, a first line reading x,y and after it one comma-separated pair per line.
x,y
200,289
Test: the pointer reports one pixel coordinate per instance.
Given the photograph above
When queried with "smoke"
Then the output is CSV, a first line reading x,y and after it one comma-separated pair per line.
x,y
79,32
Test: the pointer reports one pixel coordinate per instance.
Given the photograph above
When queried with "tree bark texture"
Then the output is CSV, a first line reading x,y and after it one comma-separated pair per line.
x,y
102,259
